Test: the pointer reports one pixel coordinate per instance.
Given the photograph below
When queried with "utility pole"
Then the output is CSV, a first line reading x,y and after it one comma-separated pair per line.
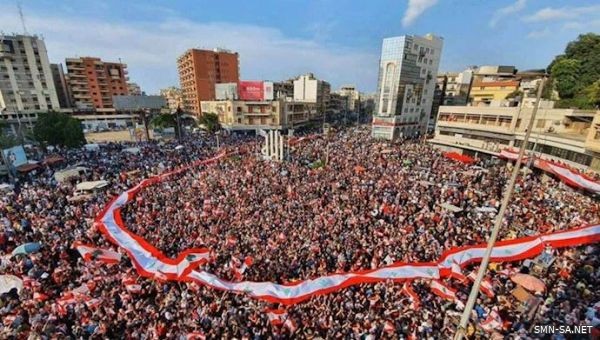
x,y
464,320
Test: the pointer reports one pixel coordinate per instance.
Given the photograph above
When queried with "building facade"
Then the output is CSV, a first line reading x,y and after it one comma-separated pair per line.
x,y
200,70
92,82
173,97
26,81
406,84
134,89
568,135
483,93
284,89
60,84
352,96
268,114
309,89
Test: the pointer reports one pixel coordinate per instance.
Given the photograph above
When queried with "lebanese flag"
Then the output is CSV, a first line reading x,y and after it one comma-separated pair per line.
x,y
231,241
133,288
441,290
238,272
276,316
290,325
90,253
414,298
389,327
93,303
40,296
457,272
492,322
486,286
195,336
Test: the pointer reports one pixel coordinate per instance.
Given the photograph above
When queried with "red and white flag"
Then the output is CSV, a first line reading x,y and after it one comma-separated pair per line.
x,y
231,241
441,290
90,253
40,296
290,325
415,302
486,286
239,268
195,336
276,316
457,272
492,322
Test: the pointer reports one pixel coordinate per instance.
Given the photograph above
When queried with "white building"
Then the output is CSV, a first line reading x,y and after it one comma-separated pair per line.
x,y
26,82
352,95
309,89
407,76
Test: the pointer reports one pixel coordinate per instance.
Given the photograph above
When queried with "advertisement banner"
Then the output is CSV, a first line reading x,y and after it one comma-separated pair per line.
x,y
252,90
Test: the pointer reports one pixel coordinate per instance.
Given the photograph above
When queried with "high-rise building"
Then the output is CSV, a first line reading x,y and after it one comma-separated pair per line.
x,y
60,84
200,70
134,89
173,97
26,83
407,71
309,89
93,82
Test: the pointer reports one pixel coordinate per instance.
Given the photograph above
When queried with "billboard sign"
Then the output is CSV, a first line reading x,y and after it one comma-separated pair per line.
x,y
225,91
15,156
251,90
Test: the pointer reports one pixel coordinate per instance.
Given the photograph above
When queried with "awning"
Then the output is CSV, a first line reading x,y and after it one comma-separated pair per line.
x,y
53,159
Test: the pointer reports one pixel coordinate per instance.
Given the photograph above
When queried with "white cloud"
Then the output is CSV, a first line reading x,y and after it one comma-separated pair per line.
x,y
539,34
415,9
563,13
151,48
518,6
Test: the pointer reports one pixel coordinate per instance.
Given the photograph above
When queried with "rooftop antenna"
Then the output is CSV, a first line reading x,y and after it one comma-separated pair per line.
x,y
22,17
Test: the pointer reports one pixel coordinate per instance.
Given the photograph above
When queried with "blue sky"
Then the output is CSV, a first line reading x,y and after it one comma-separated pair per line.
x,y
338,40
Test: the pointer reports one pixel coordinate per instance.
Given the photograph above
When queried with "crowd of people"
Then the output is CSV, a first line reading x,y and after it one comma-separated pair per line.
x,y
342,202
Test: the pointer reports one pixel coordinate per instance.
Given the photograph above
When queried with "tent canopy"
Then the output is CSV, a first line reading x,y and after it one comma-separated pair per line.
x,y
92,185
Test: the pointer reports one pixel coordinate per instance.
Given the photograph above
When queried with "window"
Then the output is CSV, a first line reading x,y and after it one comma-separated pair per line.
x,y
541,123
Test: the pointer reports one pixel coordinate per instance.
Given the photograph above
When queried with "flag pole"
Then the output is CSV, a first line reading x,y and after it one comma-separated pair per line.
x,y
464,320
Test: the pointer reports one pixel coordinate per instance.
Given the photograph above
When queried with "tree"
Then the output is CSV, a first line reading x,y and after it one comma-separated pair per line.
x,y
514,94
210,121
6,140
164,120
592,93
573,72
57,128
565,73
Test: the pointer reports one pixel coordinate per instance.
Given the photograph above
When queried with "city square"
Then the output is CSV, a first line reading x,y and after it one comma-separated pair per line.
x,y
434,205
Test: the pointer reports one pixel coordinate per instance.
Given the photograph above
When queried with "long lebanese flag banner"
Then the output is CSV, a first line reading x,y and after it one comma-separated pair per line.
x,y
151,263
564,173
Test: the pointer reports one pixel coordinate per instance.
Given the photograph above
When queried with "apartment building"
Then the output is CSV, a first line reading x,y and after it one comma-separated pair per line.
x,y
92,82
200,70
309,89
265,114
26,81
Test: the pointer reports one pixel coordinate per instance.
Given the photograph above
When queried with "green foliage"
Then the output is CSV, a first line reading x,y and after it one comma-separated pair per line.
x,y
514,94
57,128
575,72
592,93
164,121
6,140
566,77
210,121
